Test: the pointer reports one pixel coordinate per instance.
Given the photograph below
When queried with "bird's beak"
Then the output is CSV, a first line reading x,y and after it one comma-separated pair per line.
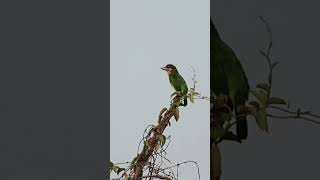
x,y
164,68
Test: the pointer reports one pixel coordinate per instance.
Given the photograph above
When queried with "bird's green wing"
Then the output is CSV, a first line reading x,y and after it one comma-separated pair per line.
x,y
178,83
218,80
229,77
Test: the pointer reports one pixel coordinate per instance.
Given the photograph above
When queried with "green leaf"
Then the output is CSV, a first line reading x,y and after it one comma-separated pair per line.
x,y
120,169
162,111
262,96
160,114
147,146
255,104
261,120
115,168
126,177
226,116
218,133
263,86
175,93
111,166
157,147
162,140
275,100
191,98
176,114
196,93
215,161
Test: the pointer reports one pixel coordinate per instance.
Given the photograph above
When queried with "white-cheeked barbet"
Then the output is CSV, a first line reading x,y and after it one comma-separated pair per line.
x,y
228,78
177,81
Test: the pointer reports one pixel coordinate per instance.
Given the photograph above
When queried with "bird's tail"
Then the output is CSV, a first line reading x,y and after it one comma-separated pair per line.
x,y
242,126
241,117
185,102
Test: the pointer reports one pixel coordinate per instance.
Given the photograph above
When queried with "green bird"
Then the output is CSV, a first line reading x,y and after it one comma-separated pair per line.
x,y
228,78
177,81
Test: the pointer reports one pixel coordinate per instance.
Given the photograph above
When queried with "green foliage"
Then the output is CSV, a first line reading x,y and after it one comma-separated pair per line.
x,y
157,147
261,119
262,102
146,146
160,115
226,117
277,101
192,94
257,106
176,114
116,169
263,86
218,133
261,96
162,140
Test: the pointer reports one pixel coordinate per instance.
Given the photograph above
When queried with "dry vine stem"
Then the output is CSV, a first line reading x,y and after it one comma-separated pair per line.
x,y
152,140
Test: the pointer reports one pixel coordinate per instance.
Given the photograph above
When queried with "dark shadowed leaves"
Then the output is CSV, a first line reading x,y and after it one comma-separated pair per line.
x,y
226,116
276,100
261,95
218,132
263,86
255,104
261,119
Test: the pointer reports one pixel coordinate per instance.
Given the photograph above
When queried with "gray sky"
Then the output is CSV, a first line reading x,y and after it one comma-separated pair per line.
x,y
146,35
291,149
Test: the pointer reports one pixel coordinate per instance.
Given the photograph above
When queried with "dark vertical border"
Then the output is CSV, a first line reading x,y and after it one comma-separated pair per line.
x,y
54,89
108,84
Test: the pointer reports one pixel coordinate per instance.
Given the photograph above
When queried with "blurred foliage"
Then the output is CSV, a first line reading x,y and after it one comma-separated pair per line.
x,y
260,106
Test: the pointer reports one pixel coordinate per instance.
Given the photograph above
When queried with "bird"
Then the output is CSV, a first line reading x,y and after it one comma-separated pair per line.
x,y
228,78
177,81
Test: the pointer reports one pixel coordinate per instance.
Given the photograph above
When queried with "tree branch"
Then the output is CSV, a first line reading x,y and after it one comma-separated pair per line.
x,y
152,140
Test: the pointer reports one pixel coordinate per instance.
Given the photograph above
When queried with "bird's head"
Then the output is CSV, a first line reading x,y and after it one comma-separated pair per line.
x,y
171,69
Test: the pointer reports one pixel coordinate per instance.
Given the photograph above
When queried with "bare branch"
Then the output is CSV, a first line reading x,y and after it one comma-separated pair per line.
x,y
155,176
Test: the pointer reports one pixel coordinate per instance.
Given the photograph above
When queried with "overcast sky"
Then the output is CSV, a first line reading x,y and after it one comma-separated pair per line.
x,y
146,35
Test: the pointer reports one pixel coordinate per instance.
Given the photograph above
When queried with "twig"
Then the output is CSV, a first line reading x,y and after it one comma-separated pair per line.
x,y
155,176
307,113
122,163
185,162
294,117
